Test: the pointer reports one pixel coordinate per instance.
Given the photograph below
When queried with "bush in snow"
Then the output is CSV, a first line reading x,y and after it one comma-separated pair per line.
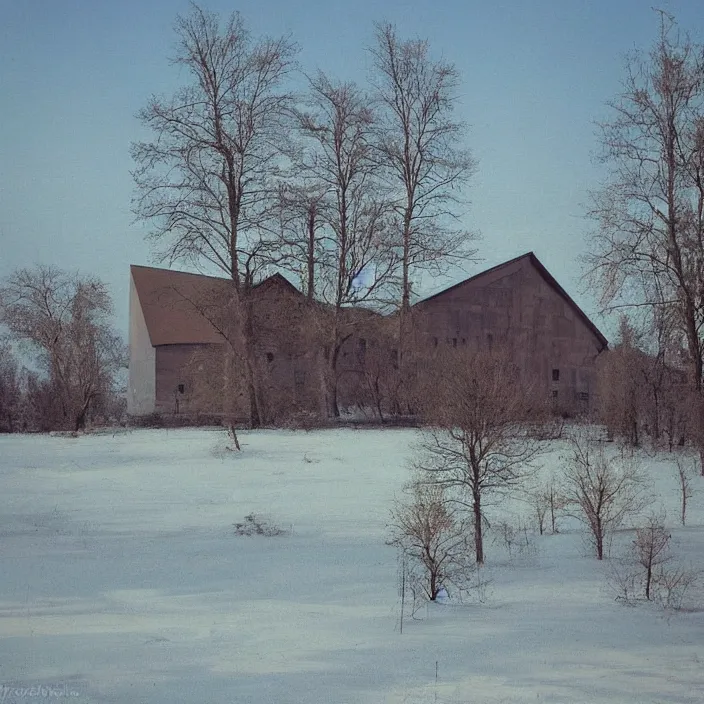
x,y
434,541
602,490
255,524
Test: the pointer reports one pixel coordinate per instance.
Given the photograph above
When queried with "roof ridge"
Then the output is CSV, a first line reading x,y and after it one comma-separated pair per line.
x,y
484,272
546,275
276,274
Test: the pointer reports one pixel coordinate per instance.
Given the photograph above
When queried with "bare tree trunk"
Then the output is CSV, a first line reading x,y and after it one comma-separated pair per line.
x,y
230,390
599,538
252,380
310,265
478,534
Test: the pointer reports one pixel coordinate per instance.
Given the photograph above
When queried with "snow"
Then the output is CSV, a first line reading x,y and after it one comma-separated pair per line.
x,y
121,580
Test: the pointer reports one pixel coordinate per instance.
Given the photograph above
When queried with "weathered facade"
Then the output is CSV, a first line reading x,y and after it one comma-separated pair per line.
x,y
519,306
176,342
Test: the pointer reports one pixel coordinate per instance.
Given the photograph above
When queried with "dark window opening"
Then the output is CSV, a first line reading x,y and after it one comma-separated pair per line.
x,y
454,342
464,340
490,340
361,350
556,375
269,356
181,388
554,394
394,358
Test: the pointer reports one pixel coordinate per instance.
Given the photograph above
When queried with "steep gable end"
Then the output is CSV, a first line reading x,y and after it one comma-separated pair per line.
x,y
486,278
177,305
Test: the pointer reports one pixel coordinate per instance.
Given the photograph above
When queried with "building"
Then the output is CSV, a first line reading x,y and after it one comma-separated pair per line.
x,y
519,305
176,323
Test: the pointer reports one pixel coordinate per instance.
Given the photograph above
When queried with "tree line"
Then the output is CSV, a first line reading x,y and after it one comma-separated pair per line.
x,y
356,190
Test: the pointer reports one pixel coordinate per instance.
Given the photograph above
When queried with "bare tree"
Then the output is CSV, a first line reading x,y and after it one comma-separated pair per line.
x,y
10,394
604,490
207,180
649,247
547,502
421,147
432,537
65,319
620,373
686,490
674,583
301,220
650,548
480,438
338,129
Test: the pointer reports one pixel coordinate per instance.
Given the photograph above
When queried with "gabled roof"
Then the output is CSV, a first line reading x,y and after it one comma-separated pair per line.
x,y
174,303
170,300
546,275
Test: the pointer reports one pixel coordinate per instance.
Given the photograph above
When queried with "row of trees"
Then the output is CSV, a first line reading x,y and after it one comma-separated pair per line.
x,y
60,324
644,395
355,189
647,254
478,448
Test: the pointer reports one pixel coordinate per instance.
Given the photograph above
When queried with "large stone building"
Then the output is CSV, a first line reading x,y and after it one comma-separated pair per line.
x,y
516,306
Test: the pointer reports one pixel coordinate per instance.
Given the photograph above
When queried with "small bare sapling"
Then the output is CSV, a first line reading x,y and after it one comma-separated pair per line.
x,y
651,549
602,490
434,541
686,491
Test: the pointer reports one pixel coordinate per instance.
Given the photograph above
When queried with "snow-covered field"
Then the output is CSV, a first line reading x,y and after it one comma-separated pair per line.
x,y
121,580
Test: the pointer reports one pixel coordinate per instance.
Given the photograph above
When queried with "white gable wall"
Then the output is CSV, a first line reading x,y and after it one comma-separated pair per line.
x,y
141,389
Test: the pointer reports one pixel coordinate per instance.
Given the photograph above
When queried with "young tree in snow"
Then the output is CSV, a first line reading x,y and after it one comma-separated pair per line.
x,y
64,318
480,439
206,182
650,548
433,537
603,490
547,502
686,490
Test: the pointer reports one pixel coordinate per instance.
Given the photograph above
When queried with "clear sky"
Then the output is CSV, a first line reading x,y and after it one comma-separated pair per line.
x,y
535,77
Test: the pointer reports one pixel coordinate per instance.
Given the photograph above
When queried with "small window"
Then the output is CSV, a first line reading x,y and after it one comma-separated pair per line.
x,y
464,340
435,342
269,356
181,388
454,342
394,358
299,377
556,375
583,395
490,340
362,344
554,394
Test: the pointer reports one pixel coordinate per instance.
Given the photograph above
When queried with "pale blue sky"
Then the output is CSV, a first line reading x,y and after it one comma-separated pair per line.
x,y
535,77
